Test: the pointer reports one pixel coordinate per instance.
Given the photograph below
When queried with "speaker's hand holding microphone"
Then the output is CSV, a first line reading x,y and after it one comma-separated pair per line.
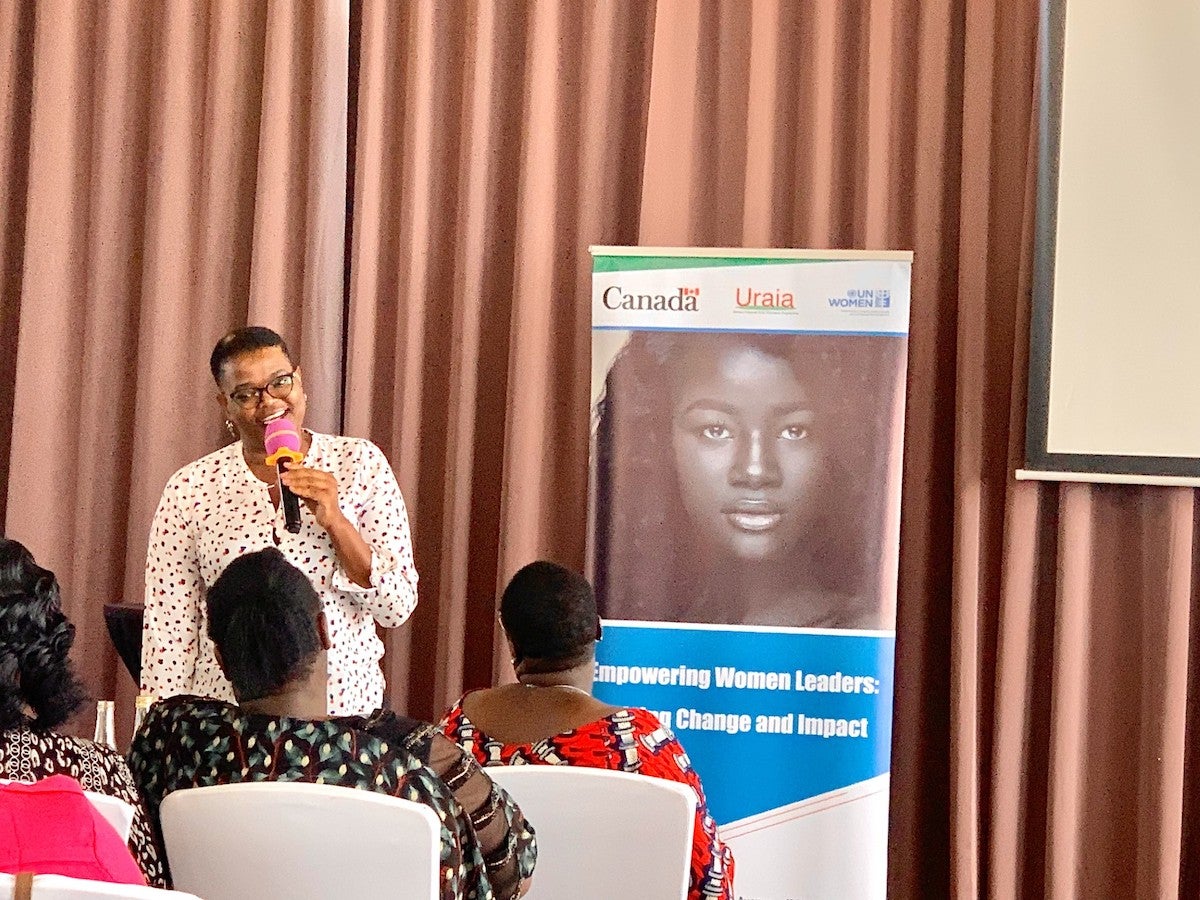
x,y
318,490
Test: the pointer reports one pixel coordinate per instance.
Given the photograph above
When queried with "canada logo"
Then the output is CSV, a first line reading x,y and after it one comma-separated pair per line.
x,y
685,299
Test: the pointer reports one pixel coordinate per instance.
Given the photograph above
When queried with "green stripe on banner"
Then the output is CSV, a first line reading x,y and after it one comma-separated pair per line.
x,y
645,263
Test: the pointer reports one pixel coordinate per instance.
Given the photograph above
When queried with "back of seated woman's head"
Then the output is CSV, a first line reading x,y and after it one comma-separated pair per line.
x,y
549,613
38,687
262,617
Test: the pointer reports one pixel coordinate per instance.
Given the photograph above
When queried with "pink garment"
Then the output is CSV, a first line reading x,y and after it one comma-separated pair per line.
x,y
51,828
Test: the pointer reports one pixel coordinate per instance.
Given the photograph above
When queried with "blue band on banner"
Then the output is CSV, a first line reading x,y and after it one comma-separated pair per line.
x,y
768,718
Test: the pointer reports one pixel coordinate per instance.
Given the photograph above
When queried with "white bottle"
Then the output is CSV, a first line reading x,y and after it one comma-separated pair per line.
x,y
142,706
105,734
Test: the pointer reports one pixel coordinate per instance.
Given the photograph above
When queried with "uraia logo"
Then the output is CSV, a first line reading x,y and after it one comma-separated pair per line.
x,y
683,300
750,300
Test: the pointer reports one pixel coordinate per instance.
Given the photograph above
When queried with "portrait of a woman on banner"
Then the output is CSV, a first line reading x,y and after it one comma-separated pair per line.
x,y
743,478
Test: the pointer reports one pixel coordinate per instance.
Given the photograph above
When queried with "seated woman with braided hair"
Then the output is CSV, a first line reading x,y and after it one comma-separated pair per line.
x,y
271,640
38,693
551,718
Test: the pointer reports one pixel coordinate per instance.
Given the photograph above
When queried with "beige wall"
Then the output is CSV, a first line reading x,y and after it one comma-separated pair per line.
x,y
1125,371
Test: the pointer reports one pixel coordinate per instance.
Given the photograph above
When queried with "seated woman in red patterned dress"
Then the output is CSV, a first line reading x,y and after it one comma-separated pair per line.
x,y
550,716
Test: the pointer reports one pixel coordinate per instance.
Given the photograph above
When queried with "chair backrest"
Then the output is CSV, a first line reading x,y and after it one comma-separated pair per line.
x,y
604,834
115,811
60,887
284,840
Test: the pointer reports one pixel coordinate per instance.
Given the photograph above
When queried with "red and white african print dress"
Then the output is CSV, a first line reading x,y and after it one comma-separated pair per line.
x,y
629,740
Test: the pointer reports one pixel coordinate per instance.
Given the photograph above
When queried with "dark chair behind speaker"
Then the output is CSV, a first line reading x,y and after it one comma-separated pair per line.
x,y
124,623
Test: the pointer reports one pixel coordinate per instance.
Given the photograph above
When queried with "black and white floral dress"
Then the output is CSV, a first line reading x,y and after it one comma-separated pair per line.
x,y
27,755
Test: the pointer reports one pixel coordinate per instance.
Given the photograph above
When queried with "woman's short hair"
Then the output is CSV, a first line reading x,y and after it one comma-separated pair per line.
x,y
262,617
549,612
35,642
243,340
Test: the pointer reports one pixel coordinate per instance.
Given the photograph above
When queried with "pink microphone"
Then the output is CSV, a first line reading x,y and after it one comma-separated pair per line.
x,y
282,440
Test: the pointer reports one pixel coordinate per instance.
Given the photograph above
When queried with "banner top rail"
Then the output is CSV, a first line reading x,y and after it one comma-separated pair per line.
x,y
752,252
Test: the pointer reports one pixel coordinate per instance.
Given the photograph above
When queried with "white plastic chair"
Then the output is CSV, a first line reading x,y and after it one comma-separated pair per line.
x,y
115,811
59,887
290,840
603,834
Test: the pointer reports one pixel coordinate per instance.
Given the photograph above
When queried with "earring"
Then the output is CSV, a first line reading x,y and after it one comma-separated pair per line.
x,y
232,431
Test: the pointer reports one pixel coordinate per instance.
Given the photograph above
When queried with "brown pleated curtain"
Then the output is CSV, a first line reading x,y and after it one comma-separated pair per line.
x,y
407,190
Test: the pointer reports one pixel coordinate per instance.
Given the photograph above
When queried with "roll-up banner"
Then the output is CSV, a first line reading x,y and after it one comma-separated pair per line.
x,y
744,534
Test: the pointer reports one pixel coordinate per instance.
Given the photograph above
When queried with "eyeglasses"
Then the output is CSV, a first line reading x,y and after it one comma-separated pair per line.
x,y
278,387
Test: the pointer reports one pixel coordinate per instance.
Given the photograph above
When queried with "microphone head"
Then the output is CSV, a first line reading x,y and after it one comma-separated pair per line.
x,y
282,441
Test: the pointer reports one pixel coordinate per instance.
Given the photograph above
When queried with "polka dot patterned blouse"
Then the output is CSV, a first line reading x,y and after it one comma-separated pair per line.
x,y
214,510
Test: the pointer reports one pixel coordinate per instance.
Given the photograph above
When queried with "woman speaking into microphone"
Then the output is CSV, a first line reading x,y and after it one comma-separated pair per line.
x,y
353,540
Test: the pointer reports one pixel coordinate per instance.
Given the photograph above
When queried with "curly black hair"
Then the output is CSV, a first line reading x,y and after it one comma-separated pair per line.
x,y
35,641
262,617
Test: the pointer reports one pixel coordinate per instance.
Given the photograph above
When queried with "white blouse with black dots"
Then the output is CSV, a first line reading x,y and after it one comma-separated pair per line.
x,y
214,510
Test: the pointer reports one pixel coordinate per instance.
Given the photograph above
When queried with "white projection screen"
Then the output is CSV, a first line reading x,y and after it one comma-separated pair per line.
x,y
1114,380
